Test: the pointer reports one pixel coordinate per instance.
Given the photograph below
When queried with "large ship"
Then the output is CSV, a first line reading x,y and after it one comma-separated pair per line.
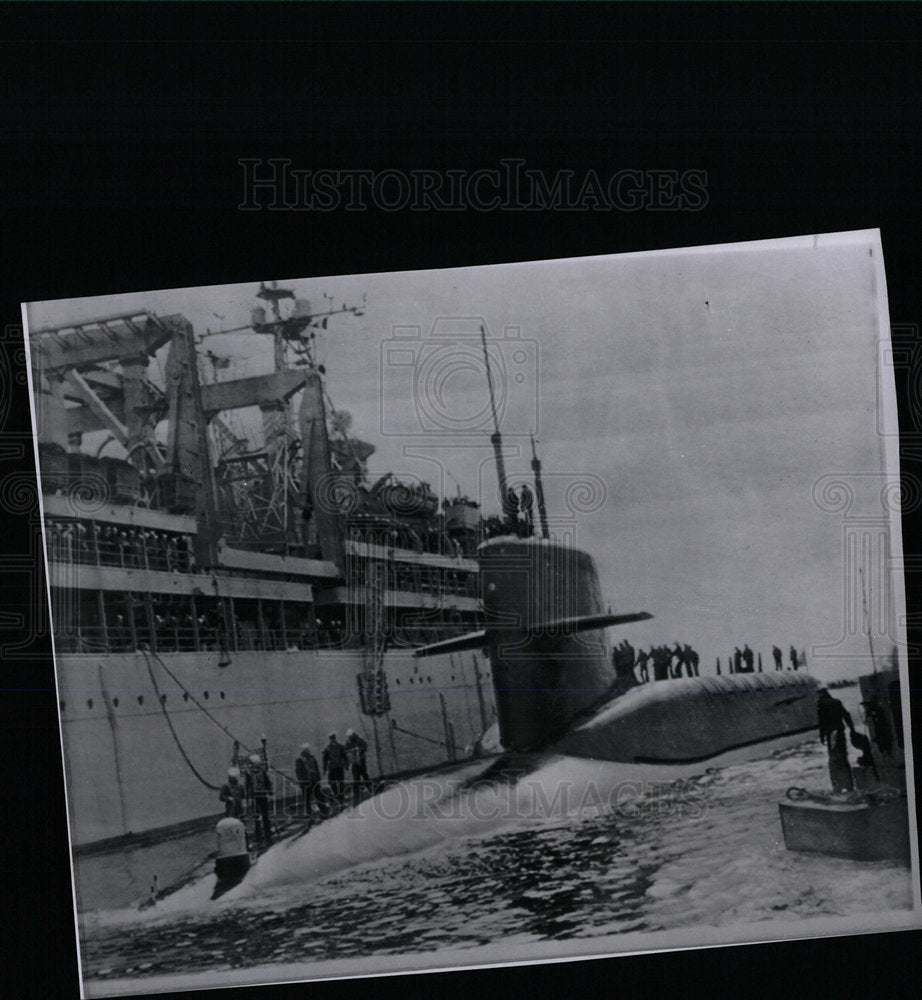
x,y
208,590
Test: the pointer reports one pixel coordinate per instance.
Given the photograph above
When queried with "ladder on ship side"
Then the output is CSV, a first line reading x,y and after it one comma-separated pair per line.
x,y
373,691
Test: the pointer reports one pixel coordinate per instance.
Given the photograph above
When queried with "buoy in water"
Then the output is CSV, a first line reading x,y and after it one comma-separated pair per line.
x,y
233,860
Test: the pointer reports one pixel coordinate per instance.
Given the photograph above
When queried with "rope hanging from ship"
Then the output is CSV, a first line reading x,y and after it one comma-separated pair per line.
x,y
148,653
169,722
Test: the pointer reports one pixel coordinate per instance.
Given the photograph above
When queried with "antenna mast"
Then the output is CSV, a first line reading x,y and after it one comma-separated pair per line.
x,y
539,488
496,438
867,619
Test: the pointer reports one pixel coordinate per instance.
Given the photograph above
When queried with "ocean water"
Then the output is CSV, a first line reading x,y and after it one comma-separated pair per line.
x,y
568,851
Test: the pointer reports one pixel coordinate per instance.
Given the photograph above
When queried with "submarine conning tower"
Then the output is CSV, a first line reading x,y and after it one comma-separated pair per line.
x,y
545,675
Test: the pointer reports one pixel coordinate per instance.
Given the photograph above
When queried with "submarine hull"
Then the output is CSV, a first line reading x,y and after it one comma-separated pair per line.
x,y
555,683
691,719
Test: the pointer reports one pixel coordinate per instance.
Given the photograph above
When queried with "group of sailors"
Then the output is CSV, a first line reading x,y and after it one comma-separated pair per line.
x,y
664,662
743,660
660,663
111,545
518,515
520,510
249,789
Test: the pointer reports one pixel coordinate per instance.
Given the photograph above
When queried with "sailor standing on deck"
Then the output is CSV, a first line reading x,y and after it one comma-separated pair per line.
x,y
776,654
262,793
232,794
661,658
307,771
642,658
832,718
356,748
334,765
679,654
527,506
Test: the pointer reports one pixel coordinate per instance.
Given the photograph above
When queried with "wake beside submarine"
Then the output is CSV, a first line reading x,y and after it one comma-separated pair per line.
x,y
555,682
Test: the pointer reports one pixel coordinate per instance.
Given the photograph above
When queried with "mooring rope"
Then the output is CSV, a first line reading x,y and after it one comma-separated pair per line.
x,y
147,654
872,796
428,739
169,721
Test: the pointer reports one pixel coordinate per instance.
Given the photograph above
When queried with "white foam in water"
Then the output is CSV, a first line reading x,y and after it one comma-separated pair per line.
x,y
423,813
406,818
418,815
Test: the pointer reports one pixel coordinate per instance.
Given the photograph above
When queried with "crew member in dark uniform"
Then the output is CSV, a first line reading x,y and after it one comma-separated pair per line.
x,y
262,795
307,771
527,506
880,726
792,653
747,658
832,718
661,657
356,749
776,655
232,794
334,765
642,658
737,660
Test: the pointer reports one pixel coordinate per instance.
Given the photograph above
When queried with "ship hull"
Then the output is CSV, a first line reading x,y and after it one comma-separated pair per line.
x,y
129,769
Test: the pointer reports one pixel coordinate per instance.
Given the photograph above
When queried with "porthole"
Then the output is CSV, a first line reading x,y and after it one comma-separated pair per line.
x,y
452,676
185,696
411,680
429,679
89,703
115,702
398,680
222,695
140,699
206,696
163,699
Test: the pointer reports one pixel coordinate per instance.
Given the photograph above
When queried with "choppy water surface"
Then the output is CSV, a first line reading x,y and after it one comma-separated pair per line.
x,y
707,851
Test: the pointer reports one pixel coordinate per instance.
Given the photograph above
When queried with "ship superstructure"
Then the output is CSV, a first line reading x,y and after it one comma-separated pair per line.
x,y
206,588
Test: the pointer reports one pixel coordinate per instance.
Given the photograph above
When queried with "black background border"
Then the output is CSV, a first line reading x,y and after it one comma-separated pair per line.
x,y
123,125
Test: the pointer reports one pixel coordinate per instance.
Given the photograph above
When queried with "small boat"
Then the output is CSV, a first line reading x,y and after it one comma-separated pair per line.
x,y
871,822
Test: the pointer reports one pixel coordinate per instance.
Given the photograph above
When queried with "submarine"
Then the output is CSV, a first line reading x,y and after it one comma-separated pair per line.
x,y
555,683
557,689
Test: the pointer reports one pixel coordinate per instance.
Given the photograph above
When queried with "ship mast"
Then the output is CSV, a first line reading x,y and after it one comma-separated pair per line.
x,y
539,488
867,619
496,438
291,491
